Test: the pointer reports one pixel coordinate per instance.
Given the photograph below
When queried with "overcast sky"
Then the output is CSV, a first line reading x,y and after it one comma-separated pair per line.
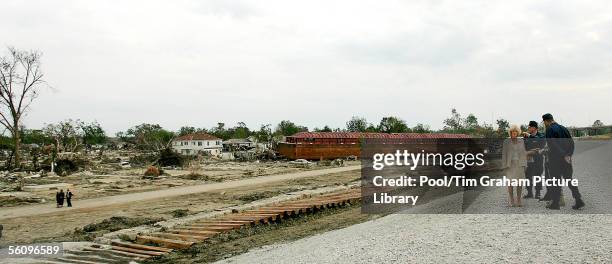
x,y
314,62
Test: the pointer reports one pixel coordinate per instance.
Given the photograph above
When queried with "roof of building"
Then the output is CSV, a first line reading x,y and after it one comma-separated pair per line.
x,y
197,136
375,135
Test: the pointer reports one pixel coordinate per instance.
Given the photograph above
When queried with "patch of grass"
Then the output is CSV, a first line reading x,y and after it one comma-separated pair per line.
x,y
119,222
91,231
39,181
194,176
9,201
240,241
254,196
180,213
125,237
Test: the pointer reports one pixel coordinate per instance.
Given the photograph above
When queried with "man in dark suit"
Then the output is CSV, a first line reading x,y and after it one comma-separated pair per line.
x,y
534,142
560,151
69,197
57,199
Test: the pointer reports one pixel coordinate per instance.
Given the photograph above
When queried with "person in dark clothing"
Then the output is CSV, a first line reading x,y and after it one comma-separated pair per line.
x,y
61,198
534,143
560,151
57,199
69,198
546,174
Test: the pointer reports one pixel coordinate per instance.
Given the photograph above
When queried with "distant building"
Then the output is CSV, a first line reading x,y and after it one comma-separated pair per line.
x,y
197,143
235,144
589,131
332,145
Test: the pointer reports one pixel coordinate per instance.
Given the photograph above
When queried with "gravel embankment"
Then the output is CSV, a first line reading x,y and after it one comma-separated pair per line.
x,y
531,234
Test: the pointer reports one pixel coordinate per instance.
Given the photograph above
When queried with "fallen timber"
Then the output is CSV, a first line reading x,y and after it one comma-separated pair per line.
x,y
186,235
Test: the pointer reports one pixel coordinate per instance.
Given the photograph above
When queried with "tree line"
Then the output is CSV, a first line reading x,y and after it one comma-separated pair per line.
x,y
21,79
74,135
155,138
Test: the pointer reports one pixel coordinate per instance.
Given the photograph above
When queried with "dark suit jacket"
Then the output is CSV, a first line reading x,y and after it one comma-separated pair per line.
x,y
559,140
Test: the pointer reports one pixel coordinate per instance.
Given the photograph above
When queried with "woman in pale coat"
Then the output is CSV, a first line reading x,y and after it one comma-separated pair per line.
x,y
514,162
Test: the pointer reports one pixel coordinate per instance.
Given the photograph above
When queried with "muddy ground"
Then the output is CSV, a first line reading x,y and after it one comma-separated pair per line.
x,y
60,226
89,185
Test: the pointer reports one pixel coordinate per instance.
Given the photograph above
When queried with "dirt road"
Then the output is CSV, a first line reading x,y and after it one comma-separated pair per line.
x,y
134,197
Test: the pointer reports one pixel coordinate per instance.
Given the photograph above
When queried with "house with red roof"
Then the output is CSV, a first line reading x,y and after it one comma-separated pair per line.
x,y
332,145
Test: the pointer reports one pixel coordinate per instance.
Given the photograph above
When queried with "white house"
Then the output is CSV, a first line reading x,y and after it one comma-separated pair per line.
x,y
193,144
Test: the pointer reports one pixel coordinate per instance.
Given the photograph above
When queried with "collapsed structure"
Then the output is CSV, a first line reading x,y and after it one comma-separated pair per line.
x,y
332,145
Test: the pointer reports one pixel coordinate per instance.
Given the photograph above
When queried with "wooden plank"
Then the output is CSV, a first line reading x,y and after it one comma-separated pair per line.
x,y
194,232
252,218
129,254
259,217
226,221
170,243
139,246
212,228
301,204
278,210
291,207
312,206
138,251
262,214
294,210
183,237
216,224
277,213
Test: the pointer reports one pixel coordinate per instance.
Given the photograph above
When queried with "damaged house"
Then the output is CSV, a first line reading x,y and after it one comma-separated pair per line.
x,y
198,143
236,144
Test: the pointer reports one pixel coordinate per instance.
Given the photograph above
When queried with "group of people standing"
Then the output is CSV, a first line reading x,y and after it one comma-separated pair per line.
x,y
532,153
60,196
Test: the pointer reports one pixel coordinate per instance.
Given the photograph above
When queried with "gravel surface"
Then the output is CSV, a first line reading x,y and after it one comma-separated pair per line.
x,y
531,234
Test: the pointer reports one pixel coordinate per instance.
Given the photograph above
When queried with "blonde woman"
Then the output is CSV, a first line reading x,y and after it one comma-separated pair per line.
x,y
514,162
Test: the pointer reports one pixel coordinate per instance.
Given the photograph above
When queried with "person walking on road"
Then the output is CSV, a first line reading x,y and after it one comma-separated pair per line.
x,y
69,197
60,202
57,199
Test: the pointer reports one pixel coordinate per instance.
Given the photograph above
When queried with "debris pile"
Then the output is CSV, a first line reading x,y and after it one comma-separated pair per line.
x,y
10,182
152,172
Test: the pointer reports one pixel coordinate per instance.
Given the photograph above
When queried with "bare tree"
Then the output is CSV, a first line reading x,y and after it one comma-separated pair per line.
x,y
20,80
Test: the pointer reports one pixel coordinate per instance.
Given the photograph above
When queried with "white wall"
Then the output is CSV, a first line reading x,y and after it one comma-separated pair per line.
x,y
193,147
